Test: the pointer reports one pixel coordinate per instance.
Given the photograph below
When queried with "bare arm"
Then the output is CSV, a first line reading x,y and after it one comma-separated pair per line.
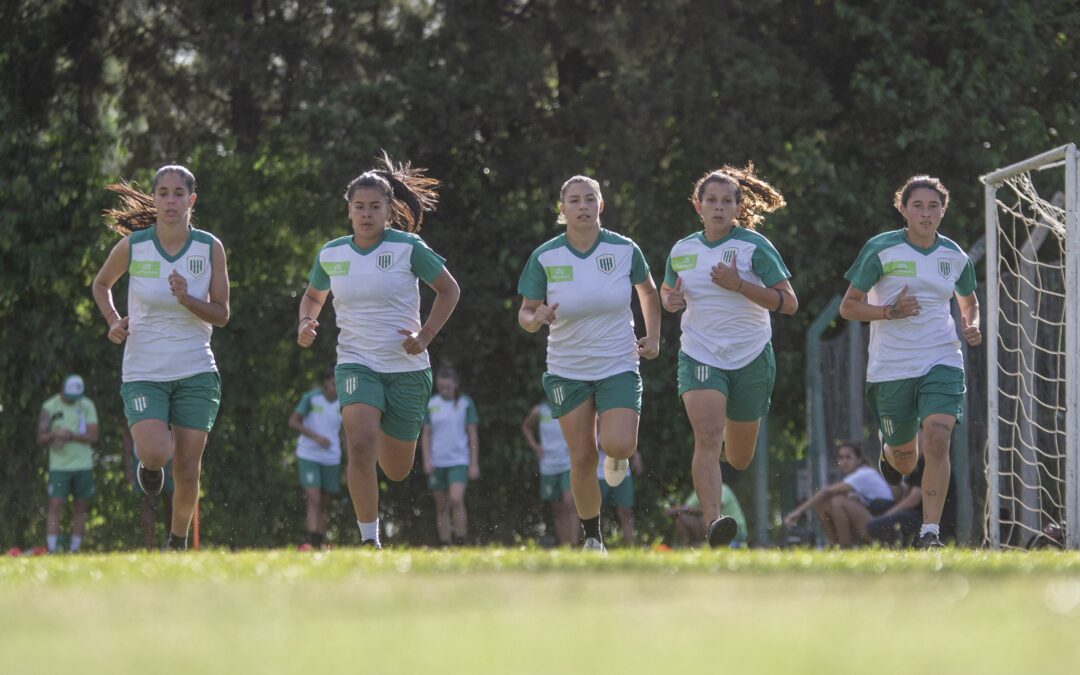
x,y
527,426
821,495
854,307
474,452
296,423
115,266
215,310
534,314
44,435
447,294
727,276
649,346
969,318
310,306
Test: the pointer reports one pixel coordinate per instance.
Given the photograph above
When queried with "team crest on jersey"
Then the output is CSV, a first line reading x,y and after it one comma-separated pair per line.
x,y
944,267
384,261
606,263
196,264
728,255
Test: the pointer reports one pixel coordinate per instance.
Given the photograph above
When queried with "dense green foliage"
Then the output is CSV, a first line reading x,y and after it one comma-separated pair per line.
x,y
275,105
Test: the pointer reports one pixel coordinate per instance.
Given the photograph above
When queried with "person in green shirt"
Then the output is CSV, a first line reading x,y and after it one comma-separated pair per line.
x,y
68,425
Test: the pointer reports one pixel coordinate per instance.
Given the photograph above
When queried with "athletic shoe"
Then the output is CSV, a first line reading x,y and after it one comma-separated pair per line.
x,y
593,544
615,470
371,543
888,472
722,532
150,480
929,540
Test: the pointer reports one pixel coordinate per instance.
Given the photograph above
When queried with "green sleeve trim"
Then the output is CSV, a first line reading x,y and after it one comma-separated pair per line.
x,y
866,270
471,416
670,277
966,284
426,264
304,406
767,263
318,278
639,269
533,282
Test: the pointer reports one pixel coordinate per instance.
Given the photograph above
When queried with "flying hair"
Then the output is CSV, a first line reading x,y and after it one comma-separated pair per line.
x,y
408,191
753,195
137,210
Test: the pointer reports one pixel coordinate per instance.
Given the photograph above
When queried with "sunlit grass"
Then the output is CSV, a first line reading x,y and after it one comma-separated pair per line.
x,y
534,611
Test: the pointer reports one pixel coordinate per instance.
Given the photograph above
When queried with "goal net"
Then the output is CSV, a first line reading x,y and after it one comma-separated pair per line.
x,y
1032,352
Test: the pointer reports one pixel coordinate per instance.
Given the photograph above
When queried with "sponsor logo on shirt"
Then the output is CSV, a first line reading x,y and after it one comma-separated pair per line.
x,y
433,408
335,269
557,273
150,269
606,263
384,261
196,264
899,268
944,267
682,263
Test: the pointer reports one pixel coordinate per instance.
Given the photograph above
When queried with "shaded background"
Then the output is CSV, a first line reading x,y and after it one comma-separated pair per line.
x,y
275,105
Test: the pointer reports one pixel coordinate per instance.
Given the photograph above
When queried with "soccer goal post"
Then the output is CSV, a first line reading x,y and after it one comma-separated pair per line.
x,y
1032,319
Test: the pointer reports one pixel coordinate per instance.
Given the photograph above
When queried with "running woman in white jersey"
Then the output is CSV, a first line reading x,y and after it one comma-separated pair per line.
x,y
383,371
727,277
178,289
450,444
902,283
578,284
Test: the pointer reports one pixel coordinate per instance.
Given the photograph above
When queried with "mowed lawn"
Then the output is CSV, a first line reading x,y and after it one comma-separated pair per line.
x,y
532,611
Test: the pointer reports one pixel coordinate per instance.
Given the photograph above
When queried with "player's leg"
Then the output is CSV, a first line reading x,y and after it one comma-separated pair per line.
x,y
147,408
749,395
442,512
894,405
858,516
58,492
456,503
828,525
313,507
189,445
361,423
573,404
940,405
838,510
618,406
570,523
78,523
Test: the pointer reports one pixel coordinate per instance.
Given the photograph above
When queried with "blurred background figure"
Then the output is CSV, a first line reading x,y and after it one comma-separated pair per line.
x,y
450,444
554,457
689,519
317,420
68,425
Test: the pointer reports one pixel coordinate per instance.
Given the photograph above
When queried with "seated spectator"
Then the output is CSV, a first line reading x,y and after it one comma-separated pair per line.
x,y
844,508
901,521
689,519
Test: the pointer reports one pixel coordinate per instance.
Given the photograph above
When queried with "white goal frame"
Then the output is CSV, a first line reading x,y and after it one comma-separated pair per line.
x,y
1067,155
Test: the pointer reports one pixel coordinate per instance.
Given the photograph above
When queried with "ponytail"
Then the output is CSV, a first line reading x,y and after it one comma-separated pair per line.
x,y
752,195
408,191
136,212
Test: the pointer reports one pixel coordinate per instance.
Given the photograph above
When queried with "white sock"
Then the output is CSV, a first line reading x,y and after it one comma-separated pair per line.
x,y
369,530
76,542
932,528
50,542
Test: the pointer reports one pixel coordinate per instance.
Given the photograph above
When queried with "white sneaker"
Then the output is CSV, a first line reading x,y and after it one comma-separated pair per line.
x,y
615,470
592,544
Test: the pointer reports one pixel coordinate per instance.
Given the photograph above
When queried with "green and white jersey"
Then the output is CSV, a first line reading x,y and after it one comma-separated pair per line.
x,y
166,341
376,294
449,420
593,336
322,416
556,457
74,417
910,347
722,328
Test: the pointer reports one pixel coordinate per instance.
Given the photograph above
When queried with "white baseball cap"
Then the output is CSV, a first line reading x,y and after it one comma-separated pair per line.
x,y
73,386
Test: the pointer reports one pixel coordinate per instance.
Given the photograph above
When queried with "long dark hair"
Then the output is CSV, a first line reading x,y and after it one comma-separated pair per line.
x,y
137,210
408,191
753,196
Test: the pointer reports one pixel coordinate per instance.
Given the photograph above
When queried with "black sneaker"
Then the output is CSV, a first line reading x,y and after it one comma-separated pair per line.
x,y
928,541
722,531
150,480
371,543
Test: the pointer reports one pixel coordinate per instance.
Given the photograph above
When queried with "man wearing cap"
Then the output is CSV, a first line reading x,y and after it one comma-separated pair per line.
x,y
68,424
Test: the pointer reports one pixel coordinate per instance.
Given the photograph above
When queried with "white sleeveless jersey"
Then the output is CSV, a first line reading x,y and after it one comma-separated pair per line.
x,y
376,294
166,341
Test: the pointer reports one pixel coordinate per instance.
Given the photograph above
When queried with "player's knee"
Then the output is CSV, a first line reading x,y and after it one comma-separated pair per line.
x,y
838,502
456,503
739,461
584,463
619,447
396,473
709,440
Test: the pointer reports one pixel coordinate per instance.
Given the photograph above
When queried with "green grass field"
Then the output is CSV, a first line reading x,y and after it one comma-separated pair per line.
x,y
532,611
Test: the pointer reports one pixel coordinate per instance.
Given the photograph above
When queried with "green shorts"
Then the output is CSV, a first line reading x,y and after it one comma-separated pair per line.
x,y
900,406
553,487
622,390
402,397
168,487
79,484
442,476
326,477
622,494
748,389
191,402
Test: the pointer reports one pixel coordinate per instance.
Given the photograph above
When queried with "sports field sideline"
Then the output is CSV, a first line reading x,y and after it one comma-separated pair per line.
x,y
533,611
